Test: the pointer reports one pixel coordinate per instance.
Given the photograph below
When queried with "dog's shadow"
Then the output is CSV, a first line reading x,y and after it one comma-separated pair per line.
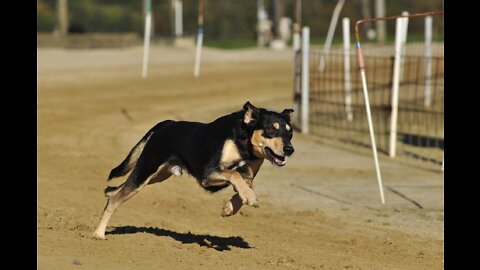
x,y
216,242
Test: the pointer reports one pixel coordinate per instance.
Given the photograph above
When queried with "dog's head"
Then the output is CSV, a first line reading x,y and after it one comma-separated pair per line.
x,y
270,133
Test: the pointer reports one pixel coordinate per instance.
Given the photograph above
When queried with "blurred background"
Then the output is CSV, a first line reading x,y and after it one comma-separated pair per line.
x,y
228,23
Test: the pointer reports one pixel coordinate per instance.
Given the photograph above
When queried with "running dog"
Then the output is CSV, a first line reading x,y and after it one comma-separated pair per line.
x,y
227,151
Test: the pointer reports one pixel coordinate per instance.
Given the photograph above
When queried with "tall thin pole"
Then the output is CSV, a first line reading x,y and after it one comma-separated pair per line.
x,y
198,51
346,68
305,78
296,58
369,118
63,17
146,43
428,60
178,18
260,19
400,24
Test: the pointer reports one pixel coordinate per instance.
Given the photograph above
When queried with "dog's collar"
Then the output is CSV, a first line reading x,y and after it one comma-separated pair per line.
x,y
249,145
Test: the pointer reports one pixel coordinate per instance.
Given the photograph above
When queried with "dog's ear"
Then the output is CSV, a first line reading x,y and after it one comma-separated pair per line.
x,y
251,114
286,114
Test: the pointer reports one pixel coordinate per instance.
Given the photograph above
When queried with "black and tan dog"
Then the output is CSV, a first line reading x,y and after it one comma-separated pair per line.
x,y
229,150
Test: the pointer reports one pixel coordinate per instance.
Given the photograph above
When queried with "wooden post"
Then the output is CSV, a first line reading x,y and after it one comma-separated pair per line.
x,y
63,17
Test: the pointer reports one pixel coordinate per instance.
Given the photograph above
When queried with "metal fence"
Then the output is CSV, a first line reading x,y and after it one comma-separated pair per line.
x,y
420,109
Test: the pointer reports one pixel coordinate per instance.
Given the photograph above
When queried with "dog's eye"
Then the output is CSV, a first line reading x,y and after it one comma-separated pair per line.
x,y
270,130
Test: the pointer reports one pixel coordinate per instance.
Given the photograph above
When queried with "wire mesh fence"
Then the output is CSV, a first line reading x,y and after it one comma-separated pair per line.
x,y
420,112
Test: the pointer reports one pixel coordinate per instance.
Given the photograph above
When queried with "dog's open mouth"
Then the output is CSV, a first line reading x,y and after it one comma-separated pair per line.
x,y
275,159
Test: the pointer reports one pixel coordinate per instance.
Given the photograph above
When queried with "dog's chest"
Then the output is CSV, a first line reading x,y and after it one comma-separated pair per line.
x,y
230,158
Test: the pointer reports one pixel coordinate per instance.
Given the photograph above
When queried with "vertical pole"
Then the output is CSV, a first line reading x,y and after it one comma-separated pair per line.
x,y
178,18
404,31
369,118
146,43
428,60
346,68
372,136
361,67
380,25
305,77
395,85
296,60
173,18
331,31
260,19
198,51
63,17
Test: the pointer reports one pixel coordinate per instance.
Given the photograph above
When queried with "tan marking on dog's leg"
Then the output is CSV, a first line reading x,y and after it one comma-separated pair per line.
x,y
114,190
114,202
232,206
246,194
162,174
213,182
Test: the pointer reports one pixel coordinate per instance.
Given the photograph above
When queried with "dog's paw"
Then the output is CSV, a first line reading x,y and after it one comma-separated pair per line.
x,y
249,198
98,236
227,210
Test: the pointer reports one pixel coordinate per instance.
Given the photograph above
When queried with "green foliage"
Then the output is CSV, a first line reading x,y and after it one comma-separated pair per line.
x,y
45,17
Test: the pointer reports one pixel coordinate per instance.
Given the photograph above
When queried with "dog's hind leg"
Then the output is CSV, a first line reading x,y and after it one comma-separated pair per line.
x,y
115,199
117,195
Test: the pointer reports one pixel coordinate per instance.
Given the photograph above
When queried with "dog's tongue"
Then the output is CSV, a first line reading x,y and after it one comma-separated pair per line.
x,y
279,162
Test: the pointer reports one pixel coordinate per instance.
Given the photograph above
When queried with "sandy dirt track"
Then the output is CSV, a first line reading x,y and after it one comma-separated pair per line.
x,y
321,211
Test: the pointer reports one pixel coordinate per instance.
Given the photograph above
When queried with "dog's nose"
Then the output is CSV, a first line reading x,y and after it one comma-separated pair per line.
x,y
288,150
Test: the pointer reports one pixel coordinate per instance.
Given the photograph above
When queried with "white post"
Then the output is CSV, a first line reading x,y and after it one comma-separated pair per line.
x,y
372,135
346,68
62,17
395,85
178,18
428,60
305,77
146,43
404,31
261,17
198,52
296,80
331,31
369,118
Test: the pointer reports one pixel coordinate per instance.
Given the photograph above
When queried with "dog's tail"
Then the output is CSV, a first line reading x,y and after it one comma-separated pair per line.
x,y
131,160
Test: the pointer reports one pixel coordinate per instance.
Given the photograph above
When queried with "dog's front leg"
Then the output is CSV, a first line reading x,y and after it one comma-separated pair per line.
x,y
231,207
246,194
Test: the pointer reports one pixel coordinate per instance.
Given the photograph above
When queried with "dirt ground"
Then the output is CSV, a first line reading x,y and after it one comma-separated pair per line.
x,y
321,211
